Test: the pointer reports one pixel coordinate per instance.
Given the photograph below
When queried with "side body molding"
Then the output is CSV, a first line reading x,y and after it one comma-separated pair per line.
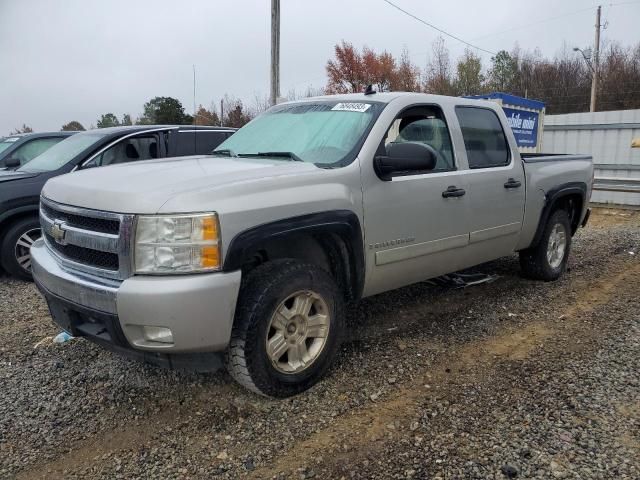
x,y
343,223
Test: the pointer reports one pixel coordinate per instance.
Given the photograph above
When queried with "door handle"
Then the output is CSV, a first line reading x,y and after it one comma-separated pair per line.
x,y
512,183
453,191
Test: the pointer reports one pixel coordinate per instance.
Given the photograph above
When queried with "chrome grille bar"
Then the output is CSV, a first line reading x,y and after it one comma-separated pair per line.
x,y
87,241
103,242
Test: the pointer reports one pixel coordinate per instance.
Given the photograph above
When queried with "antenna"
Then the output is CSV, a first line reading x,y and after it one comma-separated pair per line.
x,y
369,90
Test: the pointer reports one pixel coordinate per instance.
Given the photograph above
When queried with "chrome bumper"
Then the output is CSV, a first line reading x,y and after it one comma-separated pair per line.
x,y
49,274
198,309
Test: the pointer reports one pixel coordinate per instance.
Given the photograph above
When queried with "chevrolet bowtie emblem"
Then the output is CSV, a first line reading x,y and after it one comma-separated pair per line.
x,y
58,231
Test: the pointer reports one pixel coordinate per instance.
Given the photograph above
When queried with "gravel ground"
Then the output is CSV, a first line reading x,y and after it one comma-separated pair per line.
x,y
513,379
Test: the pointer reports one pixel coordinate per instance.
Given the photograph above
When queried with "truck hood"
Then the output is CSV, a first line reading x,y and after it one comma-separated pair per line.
x,y
144,187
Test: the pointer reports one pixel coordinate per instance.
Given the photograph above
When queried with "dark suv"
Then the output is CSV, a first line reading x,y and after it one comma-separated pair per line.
x,y
16,150
20,189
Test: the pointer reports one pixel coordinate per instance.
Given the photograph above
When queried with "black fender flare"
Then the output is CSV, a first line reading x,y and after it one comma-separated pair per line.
x,y
344,223
551,199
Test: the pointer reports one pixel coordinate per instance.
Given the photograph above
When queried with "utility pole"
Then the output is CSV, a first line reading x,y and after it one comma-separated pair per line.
x,y
596,63
221,112
275,51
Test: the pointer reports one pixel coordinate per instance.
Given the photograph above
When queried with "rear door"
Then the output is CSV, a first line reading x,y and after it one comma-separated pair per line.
x,y
495,185
416,224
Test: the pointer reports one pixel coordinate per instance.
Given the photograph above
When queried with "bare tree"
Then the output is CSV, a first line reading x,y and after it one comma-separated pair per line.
x,y
438,75
24,129
407,78
310,91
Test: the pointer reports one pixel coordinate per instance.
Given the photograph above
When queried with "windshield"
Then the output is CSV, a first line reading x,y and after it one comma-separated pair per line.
x,y
62,153
7,142
323,133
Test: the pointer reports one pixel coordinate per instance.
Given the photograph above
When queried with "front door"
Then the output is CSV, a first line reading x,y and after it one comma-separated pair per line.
x,y
416,224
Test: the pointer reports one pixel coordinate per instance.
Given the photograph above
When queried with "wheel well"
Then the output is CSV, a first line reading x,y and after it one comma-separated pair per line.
x,y
329,251
572,203
569,197
6,223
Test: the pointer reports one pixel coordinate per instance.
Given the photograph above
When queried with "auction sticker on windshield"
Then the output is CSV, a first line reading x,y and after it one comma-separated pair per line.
x,y
352,107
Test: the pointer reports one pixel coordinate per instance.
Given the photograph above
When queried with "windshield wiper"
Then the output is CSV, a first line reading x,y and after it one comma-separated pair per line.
x,y
225,151
289,155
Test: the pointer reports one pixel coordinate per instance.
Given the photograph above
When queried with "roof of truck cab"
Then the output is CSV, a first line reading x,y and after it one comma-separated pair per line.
x,y
388,97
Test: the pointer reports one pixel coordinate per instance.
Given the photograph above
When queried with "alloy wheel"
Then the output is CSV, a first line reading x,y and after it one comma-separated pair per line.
x,y
298,332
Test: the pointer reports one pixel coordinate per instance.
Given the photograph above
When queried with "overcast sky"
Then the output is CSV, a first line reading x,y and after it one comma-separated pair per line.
x,y
75,59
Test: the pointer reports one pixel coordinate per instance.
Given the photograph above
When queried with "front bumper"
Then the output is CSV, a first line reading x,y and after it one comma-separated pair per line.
x,y
198,309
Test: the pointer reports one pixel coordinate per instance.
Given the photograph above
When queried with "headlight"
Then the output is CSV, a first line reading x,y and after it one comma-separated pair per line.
x,y
177,243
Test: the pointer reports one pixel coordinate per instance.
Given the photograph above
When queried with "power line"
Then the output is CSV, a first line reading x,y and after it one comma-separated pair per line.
x,y
532,24
623,3
438,29
550,19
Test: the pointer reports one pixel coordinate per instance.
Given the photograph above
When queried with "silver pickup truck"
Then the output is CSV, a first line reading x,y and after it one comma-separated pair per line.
x,y
247,256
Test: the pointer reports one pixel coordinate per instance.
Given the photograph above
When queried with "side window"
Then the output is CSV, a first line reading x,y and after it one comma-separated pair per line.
x,y
424,125
185,143
132,149
32,149
198,143
207,141
483,136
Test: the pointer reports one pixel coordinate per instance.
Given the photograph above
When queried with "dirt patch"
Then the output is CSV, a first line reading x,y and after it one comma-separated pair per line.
x,y
609,217
516,345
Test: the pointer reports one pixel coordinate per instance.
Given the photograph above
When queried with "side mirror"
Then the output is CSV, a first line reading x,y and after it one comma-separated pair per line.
x,y
404,158
12,162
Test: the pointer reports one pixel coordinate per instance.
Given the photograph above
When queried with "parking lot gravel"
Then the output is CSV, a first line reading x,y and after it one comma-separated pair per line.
x,y
510,379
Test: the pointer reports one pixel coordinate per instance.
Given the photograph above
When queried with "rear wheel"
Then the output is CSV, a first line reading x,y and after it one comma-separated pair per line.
x,y
287,329
15,251
548,260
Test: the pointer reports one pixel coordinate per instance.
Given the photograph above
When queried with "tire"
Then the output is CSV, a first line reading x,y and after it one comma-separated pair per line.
x,y
14,251
286,286
548,259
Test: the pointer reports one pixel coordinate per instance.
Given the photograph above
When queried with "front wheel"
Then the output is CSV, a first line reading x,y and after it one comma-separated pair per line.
x,y
15,251
548,260
287,329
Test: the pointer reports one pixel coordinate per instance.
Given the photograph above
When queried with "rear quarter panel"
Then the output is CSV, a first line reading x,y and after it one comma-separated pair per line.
x,y
545,174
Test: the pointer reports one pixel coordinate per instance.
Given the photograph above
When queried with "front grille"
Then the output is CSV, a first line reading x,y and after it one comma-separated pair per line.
x,y
86,256
90,241
87,223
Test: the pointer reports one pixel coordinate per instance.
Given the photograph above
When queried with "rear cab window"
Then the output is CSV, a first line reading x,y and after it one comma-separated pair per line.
x,y
484,138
